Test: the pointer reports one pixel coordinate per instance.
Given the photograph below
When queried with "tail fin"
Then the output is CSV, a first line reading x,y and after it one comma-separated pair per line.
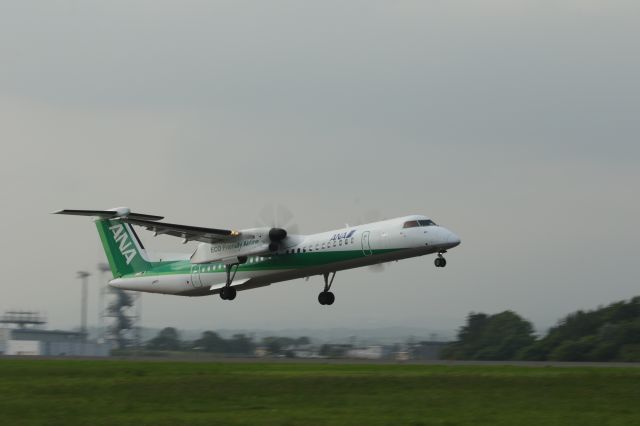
x,y
125,252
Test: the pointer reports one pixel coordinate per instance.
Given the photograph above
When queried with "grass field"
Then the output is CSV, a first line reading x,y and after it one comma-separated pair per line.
x,y
60,392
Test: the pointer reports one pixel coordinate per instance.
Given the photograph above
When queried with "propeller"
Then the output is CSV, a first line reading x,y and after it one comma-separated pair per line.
x,y
280,220
277,216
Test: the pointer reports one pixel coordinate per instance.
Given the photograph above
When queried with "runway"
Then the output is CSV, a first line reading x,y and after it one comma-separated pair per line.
x,y
532,364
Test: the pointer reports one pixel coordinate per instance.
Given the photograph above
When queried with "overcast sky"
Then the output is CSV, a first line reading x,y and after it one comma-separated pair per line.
x,y
514,123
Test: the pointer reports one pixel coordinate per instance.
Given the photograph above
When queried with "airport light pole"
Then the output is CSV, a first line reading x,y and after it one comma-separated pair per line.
x,y
84,276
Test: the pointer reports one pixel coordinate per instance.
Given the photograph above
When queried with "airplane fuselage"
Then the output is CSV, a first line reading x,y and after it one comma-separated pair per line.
x,y
304,256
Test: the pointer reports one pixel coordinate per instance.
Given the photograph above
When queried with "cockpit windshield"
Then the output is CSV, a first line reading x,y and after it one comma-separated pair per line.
x,y
417,223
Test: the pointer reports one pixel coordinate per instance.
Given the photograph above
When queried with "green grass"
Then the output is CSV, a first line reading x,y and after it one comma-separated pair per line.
x,y
59,392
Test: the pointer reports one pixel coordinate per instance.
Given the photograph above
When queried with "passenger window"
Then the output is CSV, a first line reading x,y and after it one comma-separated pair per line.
x,y
298,250
352,240
411,224
304,250
324,245
340,243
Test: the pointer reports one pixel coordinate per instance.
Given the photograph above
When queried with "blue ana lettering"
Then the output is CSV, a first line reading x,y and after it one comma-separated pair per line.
x,y
342,235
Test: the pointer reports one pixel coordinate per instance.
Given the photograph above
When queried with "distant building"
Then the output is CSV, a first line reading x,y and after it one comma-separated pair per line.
x,y
401,356
29,338
49,343
427,350
301,351
261,351
333,350
370,352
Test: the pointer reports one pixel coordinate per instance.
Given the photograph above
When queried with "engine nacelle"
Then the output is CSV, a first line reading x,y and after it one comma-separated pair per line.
x,y
252,242
277,234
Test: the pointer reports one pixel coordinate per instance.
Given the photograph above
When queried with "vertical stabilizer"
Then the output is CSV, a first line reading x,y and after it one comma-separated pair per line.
x,y
124,250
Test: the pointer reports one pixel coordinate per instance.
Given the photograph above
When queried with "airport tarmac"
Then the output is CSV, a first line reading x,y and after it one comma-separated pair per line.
x,y
533,364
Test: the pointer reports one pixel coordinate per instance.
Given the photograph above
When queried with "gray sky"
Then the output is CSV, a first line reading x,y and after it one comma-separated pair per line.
x,y
514,123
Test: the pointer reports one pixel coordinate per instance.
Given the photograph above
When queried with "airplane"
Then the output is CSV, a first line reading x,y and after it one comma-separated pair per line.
x,y
226,261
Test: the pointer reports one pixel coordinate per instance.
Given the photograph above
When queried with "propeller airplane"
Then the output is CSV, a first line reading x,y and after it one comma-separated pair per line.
x,y
227,261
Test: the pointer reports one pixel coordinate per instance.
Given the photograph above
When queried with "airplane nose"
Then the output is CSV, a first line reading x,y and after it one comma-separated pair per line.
x,y
453,239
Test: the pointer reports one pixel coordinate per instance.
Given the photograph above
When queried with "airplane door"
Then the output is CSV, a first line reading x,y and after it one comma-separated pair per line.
x,y
195,276
366,246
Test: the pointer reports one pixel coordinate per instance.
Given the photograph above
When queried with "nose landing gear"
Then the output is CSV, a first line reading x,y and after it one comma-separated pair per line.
x,y
440,261
326,297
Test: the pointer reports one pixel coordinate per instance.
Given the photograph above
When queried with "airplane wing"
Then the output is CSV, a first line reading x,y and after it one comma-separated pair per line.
x,y
186,232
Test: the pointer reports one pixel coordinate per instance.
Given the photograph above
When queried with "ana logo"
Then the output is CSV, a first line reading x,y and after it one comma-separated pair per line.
x,y
342,235
122,238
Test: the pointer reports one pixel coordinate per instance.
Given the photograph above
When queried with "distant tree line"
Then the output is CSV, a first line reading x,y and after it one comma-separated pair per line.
x,y
610,333
168,339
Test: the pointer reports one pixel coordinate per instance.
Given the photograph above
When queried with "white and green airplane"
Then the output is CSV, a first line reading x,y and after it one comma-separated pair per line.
x,y
226,261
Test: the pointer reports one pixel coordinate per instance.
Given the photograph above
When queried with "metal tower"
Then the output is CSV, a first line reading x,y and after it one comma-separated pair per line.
x,y
122,318
23,319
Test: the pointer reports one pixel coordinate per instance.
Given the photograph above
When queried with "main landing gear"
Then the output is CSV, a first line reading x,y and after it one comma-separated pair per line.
x,y
228,292
326,297
440,261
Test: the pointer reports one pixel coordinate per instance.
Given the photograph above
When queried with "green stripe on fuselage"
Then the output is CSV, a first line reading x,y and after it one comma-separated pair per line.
x,y
277,262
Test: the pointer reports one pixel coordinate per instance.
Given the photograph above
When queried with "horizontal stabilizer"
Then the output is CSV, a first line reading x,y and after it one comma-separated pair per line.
x,y
151,222
111,214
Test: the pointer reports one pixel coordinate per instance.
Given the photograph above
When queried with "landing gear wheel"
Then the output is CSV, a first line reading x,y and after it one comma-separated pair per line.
x,y
440,262
232,293
326,298
228,293
330,298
